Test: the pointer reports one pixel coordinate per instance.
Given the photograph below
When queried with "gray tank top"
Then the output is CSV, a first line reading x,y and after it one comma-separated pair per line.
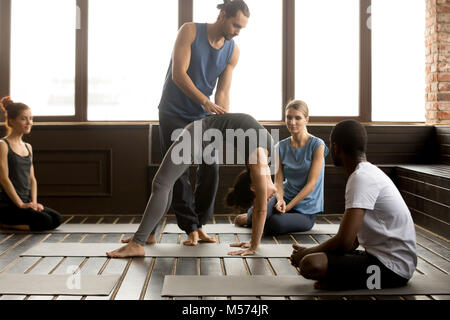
x,y
19,174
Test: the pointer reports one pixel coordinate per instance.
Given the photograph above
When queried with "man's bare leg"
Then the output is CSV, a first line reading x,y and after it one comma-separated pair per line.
x,y
131,249
203,236
150,240
192,239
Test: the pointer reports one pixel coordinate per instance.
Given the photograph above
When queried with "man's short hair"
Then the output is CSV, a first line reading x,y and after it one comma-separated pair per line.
x,y
231,8
351,136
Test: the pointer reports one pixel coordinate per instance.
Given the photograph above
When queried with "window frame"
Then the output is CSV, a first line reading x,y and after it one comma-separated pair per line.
x,y
185,14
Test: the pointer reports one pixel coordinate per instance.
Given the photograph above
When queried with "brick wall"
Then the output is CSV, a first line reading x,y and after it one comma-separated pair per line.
x,y
437,43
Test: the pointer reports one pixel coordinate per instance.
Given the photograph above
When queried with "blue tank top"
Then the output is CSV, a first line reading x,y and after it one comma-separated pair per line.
x,y
296,166
205,67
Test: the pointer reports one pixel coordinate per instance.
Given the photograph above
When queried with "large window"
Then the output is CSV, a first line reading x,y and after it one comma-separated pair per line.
x,y
43,55
106,60
327,56
257,80
398,60
130,46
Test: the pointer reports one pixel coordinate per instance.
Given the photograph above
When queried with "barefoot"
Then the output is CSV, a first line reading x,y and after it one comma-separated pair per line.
x,y
192,239
132,249
241,220
151,239
320,285
204,236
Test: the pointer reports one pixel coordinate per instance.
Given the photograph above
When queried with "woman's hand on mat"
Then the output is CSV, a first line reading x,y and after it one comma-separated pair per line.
x,y
241,245
244,252
281,206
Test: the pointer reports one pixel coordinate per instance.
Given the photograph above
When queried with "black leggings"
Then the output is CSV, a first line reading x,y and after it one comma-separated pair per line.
x,y
47,219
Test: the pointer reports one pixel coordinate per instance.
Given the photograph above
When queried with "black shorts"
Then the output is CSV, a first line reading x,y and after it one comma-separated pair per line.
x,y
347,271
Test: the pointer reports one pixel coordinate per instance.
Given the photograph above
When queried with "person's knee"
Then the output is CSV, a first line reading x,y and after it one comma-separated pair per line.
x,y
159,185
274,227
313,266
56,219
41,221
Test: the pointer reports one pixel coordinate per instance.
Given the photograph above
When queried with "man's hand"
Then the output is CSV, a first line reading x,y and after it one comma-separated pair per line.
x,y
281,206
297,254
211,108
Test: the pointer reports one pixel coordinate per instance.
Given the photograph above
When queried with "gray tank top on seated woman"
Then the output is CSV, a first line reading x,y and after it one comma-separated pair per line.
x,y
19,174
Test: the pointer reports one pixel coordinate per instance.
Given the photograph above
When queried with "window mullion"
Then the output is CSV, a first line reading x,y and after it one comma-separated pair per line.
x,y
81,64
288,53
5,46
185,11
365,70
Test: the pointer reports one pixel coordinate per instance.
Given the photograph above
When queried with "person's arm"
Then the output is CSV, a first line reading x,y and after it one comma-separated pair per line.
x,y
279,177
180,64
6,183
344,241
222,97
258,173
33,183
313,176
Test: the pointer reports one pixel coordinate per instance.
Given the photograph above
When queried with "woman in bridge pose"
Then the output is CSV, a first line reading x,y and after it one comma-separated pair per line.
x,y
257,177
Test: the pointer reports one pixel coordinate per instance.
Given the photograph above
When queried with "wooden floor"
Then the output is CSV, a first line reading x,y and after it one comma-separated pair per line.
x,y
142,278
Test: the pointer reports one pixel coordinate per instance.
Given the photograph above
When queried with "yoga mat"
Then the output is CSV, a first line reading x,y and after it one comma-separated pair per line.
x,y
85,228
194,286
203,250
231,228
51,284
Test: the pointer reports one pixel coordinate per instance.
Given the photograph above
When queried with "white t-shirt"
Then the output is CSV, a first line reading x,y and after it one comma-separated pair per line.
x,y
387,231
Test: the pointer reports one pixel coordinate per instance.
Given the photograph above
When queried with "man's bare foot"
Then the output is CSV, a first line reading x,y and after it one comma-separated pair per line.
x,y
241,220
321,285
21,227
192,239
151,239
132,249
204,236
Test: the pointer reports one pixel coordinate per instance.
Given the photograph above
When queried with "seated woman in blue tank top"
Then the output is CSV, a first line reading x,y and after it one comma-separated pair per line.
x,y
19,208
299,179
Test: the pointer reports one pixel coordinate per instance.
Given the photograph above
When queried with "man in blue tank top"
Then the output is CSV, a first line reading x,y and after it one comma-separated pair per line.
x,y
204,56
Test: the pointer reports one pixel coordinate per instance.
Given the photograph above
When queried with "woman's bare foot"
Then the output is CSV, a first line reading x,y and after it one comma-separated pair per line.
x,y
132,249
21,227
204,236
241,220
150,240
192,239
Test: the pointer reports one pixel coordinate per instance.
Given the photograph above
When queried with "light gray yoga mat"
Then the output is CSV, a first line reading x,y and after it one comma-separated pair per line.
x,y
187,286
203,250
86,228
60,284
231,228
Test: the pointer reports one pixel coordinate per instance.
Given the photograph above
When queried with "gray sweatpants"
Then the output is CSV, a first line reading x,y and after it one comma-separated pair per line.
x,y
168,172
